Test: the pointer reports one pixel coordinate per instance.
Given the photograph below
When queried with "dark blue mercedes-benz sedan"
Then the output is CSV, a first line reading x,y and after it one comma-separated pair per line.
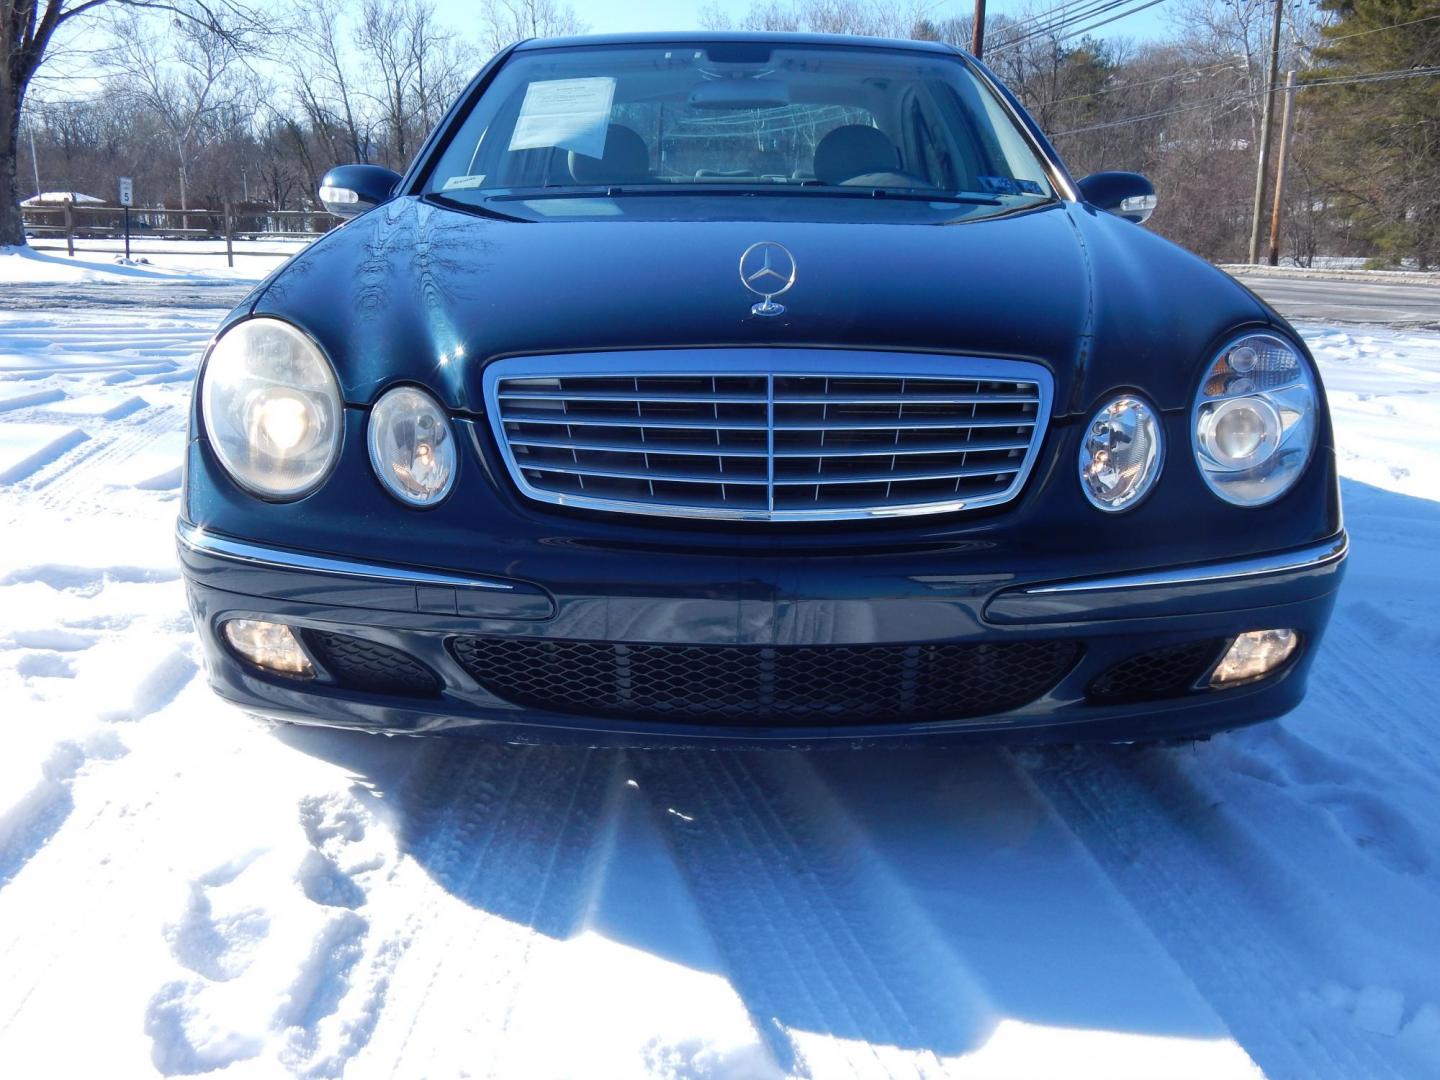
x,y
771,388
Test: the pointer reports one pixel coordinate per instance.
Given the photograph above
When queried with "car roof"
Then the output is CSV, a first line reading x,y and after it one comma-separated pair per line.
x,y
728,37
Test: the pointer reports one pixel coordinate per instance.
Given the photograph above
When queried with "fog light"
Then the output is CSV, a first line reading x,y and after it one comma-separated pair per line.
x,y
1253,654
269,645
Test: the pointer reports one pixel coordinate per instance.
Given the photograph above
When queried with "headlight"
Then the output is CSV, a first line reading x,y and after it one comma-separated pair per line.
x,y
1254,420
1121,454
411,446
271,408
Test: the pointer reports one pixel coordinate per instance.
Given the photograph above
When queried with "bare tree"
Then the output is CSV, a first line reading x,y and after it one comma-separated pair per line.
x,y
326,83
504,22
868,18
189,80
27,33
412,67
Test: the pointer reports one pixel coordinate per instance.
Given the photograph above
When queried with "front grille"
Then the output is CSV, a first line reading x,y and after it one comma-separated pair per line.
x,y
1160,673
756,435
365,665
753,684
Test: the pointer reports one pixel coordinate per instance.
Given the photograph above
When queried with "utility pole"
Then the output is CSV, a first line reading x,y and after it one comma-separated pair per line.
x,y
977,36
1263,169
34,161
1280,168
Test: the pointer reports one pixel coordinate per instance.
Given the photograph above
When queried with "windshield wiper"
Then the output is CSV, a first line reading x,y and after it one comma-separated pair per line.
x,y
751,190
966,197
471,208
1040,202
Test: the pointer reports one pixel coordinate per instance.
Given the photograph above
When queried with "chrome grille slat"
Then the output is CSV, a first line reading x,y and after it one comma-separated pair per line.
x,y
646,475
894,477
768,434
905,450
902,423
648,447
902,450
581,420
915,399
634,396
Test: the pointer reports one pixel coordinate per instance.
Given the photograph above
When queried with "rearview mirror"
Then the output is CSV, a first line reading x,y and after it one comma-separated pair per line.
x,y
1124,194
740,94
348,190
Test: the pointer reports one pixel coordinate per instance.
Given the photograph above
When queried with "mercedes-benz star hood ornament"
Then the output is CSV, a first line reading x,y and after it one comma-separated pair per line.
x,y
767,269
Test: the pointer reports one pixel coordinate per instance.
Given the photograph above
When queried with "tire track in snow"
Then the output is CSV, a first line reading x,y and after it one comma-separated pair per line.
x,y
33,819
74,481
815,931
1349,679
723,854
1347,794
512,831
1196,880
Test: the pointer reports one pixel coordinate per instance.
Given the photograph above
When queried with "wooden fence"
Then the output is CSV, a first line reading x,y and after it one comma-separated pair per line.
x,y
73,222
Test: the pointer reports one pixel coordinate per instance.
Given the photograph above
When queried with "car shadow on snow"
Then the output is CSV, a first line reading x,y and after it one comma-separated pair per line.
x,y
904,898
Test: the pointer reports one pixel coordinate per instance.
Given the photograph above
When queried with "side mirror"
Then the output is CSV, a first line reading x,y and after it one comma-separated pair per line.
x,y
348,190
1124,194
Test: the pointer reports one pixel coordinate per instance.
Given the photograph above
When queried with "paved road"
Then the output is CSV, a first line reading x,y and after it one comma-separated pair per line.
x,y
221,295
1314,300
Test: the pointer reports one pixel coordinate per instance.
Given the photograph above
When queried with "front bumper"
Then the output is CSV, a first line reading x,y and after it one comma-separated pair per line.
x,y
782,603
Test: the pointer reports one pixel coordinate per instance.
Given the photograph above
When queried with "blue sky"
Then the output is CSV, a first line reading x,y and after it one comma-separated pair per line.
x,y
629,15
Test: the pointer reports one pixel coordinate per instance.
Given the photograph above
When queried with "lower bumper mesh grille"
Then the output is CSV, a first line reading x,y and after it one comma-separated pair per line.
x,y
365,665
750,684
1160,673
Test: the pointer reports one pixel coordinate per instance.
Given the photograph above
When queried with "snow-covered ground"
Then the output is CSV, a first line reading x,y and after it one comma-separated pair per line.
x,y
184,890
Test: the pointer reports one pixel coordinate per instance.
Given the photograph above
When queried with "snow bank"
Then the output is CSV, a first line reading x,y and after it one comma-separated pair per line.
x,y
103,261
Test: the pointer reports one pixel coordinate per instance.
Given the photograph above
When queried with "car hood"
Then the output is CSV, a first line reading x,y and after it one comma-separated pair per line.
x,y
413,292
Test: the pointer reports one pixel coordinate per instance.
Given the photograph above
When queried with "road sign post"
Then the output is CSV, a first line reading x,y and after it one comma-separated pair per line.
x,y
127,197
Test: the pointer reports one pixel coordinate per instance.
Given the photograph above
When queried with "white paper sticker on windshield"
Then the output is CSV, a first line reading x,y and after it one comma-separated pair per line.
x,y
573,114
463,182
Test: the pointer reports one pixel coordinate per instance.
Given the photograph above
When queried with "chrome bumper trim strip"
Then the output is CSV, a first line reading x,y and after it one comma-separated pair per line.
x,y
1330,551
197,539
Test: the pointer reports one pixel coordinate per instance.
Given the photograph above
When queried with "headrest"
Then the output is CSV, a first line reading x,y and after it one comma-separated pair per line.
x,y
626,159
853,150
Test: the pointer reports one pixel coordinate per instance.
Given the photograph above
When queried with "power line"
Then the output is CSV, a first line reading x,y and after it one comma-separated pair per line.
x,y
1377,76
1324,42
1061,21
1220,65
1230,99
1069,18
1059,12
1147,82
1113,18
1059,28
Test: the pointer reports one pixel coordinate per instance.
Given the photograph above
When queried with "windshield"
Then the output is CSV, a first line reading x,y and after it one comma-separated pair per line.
x,y
719,119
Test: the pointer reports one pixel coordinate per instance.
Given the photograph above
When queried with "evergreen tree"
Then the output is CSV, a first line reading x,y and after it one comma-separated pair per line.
x,y
1381,138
